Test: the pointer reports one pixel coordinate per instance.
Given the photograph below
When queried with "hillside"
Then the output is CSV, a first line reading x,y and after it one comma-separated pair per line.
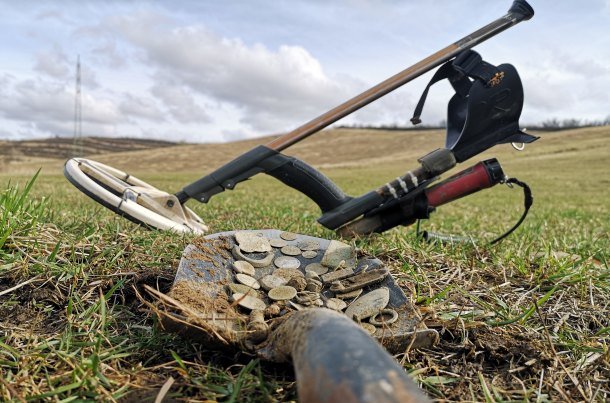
x,y
329,149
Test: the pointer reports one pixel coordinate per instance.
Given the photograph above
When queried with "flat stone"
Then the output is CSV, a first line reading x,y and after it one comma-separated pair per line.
x,y
288,236
270,281
250,242
317,268
369,304
241,266
336,304
291,250
249,302
282,293
277,243
349,295
336,253
288,273
310,245
337,275
247,280
287,262
309,254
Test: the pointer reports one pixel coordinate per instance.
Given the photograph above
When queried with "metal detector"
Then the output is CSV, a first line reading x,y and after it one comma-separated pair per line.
x,y
483,112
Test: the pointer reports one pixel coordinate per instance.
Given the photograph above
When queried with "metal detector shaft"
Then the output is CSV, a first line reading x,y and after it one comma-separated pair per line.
x,y
268,159
519,11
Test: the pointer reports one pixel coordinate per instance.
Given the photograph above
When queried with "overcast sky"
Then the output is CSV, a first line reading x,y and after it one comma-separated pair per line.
x,y
209,71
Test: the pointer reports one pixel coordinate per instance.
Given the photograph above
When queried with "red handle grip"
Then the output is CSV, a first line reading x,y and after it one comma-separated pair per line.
x,y
483,175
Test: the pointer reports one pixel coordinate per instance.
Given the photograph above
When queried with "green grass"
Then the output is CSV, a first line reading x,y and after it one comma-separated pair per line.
x,y
527,319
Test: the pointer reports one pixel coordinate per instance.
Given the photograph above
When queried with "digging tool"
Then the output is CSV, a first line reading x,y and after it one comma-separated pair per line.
x,y
484,112
333,357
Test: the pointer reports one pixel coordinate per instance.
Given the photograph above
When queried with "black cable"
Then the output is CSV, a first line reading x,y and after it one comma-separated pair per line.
x,y
528,200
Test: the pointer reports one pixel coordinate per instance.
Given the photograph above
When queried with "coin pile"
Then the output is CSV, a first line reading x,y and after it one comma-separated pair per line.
x,y
279,275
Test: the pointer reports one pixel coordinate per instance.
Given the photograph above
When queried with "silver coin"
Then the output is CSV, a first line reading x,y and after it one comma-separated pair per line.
x,y
287,262
282,293
288,236
317,268
277,243
290,250
249,302
270,281
247,280
309,245
309,254
241,266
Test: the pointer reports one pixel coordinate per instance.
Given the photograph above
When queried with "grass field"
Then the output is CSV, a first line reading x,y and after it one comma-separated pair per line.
x,y
525,320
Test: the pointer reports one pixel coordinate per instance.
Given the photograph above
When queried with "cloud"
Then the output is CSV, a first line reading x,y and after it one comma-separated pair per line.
x,y
180,102
134,107
273,88
40,105
53,63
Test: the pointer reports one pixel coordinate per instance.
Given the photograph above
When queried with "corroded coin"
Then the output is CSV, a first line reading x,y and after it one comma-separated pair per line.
x,y
337,275
241,266
288,236
290,250
251,242
307,297
384,317
299,283
247,280
282,293
270,281
287,262
312,274
349,295
243,289
370,329
309,254
277,243
249,302
309,244
317,268
369,304
288,272
336,304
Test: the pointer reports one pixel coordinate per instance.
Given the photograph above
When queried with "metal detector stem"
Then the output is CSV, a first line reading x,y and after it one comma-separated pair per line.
x,y
519,11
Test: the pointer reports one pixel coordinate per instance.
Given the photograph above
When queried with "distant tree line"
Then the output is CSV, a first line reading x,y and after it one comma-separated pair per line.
x,y
553,124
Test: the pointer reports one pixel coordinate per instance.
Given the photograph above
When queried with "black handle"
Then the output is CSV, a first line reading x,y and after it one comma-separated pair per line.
x,y
307,180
